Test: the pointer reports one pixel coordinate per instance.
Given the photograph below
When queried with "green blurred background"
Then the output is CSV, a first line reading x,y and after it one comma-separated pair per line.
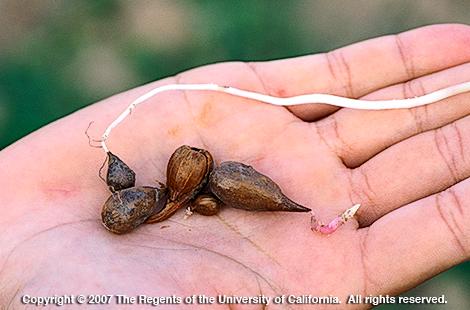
x,y
59,56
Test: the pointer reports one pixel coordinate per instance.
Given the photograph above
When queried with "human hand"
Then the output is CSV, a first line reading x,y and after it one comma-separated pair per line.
x,y
408,168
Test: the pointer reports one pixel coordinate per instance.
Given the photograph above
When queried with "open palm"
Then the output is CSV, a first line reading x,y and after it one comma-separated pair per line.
x,y
408,169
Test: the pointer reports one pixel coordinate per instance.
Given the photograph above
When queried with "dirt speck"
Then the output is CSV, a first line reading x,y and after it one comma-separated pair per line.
x,y
174,131
205,116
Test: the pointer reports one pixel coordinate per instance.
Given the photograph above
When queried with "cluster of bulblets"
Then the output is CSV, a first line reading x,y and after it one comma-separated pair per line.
x,y
192,182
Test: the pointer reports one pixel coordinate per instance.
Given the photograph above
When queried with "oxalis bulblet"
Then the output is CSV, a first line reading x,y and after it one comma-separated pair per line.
x,y
194,183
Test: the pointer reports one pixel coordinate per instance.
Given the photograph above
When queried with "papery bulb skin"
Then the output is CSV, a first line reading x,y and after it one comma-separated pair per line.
x,y
187,174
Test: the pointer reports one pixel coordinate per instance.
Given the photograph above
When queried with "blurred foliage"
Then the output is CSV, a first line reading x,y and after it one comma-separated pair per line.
x,y
59,56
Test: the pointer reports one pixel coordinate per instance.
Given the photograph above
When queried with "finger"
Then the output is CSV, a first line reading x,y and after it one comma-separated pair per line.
x,y
412,169
417,241
361,68
356,136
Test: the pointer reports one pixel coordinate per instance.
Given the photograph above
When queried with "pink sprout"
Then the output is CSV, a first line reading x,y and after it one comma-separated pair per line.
x,y
332,226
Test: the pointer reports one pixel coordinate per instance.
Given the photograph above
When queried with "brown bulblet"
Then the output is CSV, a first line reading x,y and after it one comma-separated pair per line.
x,y
128,208
119,175
186,174
206,205
240,186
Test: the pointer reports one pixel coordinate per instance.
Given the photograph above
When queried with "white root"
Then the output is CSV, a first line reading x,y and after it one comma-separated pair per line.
x,y
295,100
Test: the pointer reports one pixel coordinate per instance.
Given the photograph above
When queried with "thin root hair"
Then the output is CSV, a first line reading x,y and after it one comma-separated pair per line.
x,y
101,169
90,140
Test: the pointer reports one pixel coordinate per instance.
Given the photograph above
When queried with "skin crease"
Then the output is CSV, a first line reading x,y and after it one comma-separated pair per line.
x,y
409,169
